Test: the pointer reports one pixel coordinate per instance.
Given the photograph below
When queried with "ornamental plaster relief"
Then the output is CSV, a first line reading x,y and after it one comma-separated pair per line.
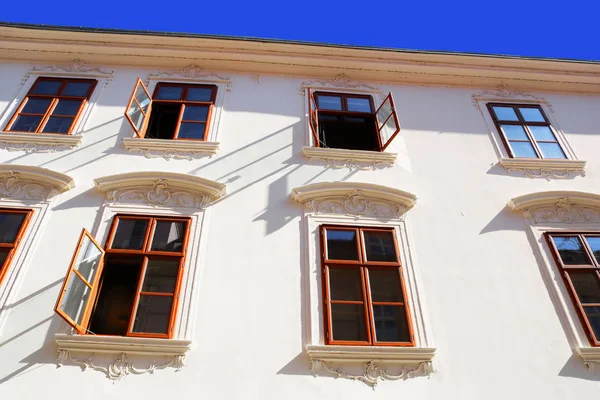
x,y
191,72
559,207
19,182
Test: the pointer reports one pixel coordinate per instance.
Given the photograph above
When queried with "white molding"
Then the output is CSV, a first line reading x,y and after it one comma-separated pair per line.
x,y
567,207
544,168
26,182
351,159
161,189
92,346
343,82
589,355
38,142
171,149
531,168
355,199
191,73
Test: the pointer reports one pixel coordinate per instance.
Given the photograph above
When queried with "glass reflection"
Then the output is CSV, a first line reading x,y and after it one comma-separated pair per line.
x,y
341,245
571,250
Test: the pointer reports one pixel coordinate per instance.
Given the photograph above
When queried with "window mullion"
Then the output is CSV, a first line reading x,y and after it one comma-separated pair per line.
x,y
179,119
368,305
588,251
137,296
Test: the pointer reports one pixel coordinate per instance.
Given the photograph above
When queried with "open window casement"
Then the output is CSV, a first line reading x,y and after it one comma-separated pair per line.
x,y
81,283
313,117
138,108
387,122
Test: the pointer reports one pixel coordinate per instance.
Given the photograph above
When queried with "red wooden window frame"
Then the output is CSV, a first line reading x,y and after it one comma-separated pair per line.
x,y
524,124
13,246
153,100
54,99
147,253
364,266
567,269
314,110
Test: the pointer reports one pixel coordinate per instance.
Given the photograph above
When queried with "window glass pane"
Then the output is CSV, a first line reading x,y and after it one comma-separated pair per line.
x,y
199,94
532,114
161,276
385,285
587,286
67,107
78,89
329,102
348,322
523,149
142,98
130,234
551,150
26,123
380,246
195,113
571,251
505,113
58,125
359,104
75,299
3,256
542,133
168,236
88,260
345,284
514,132
153,314
191,130
169,93
46,87
36,106
9,226
391,324
594,243
341,245
593,316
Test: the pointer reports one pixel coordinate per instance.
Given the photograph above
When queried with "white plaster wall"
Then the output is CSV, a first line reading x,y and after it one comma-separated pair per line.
x,y
496,329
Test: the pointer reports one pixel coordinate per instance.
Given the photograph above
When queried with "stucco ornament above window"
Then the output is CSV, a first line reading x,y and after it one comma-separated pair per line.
x,y
165,189
354,199
23,182
567,207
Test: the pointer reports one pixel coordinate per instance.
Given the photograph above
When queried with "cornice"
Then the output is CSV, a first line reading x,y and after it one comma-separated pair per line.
x,y
561,206
161,189
25,182
323,62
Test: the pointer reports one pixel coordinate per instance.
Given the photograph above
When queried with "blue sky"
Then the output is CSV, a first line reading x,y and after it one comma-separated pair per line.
x,y
561,29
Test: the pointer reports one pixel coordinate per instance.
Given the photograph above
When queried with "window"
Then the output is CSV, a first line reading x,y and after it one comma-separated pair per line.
x,y
52,105
577,256
365,299
12,227
526,131
131,288
350,121
175,111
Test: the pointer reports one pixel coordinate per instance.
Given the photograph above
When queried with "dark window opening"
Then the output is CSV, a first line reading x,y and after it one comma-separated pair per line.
x,y
117,293
163,121
348,132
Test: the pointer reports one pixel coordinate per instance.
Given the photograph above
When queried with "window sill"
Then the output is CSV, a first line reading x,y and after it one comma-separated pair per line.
x,y
358,159
408,361
544,168
171,149
146,349
589,355
38,142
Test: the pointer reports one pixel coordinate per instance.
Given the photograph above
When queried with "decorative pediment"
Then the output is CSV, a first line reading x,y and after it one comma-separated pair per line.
x,y
568,207
355,199
166,189
24,182
192,72
339,81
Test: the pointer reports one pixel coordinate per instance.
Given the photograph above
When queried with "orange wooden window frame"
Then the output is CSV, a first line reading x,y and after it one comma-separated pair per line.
x,y
524,124
54,99
364,266
314,110
566,269
18,238
148,254
182,101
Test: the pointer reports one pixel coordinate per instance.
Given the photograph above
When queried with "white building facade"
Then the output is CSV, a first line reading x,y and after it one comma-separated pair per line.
x,y
189,216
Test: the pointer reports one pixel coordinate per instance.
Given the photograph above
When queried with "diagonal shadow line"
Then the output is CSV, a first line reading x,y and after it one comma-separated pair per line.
x,y
32,327
30,296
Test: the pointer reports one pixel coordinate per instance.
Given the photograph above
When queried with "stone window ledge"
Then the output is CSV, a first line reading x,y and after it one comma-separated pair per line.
x,y
38,142
589,355
544,168
171,149
342,158
95,350
377,363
